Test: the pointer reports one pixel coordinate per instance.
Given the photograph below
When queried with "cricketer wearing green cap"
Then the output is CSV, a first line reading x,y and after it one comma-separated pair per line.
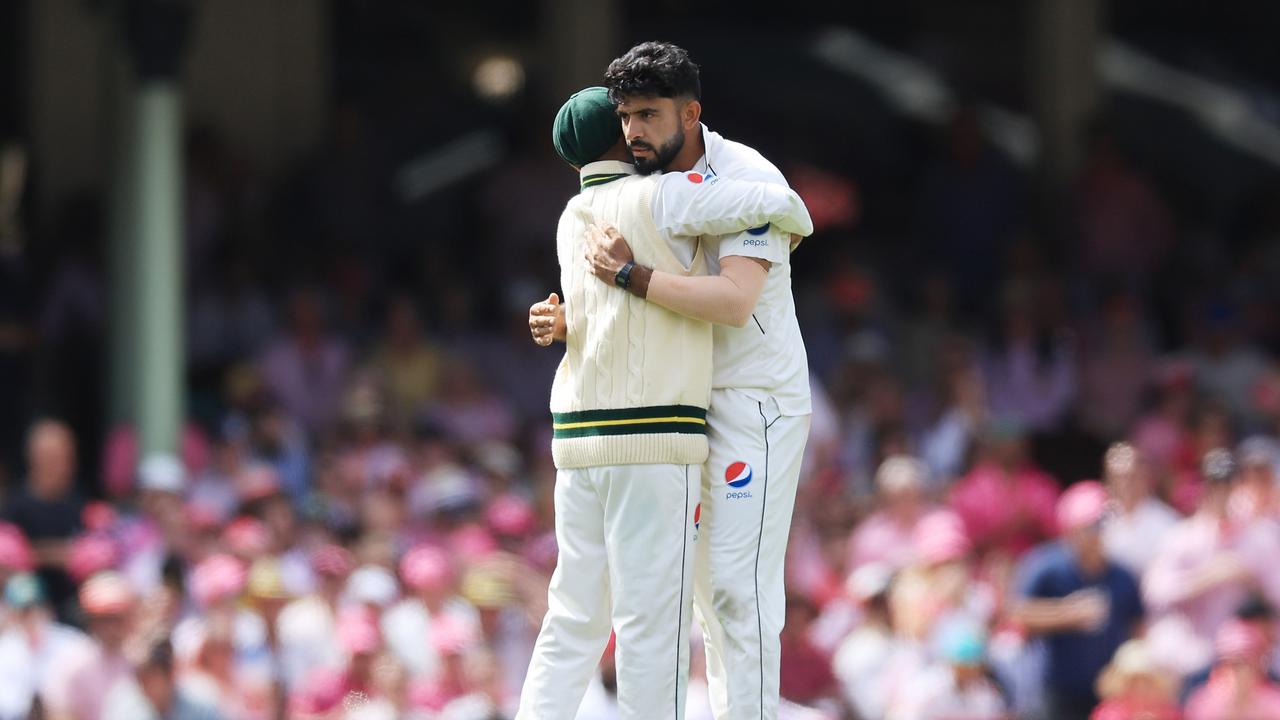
x,y
628,409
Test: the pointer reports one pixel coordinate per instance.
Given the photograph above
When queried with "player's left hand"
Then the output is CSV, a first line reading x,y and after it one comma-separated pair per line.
x,y
606,251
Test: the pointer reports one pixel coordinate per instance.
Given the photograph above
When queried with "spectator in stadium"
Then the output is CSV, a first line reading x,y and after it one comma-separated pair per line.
x,y
1257,497
431,583
307,627
78,687
1006,502
885,536
806,675
32,646
1117,359
152,692
1084,605
861,662
1133,685
1029,367
405,363
1206,568
1125,227
305,370
48,509
1238,686
1139,522
957,684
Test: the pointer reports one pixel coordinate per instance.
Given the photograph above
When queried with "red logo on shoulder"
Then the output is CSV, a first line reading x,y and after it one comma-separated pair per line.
x,y
694,178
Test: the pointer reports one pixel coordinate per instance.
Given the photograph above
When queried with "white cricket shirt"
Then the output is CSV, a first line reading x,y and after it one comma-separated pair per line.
x,y
767,357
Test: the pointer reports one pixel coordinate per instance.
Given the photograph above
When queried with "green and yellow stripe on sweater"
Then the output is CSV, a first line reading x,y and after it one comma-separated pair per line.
x,y
682,419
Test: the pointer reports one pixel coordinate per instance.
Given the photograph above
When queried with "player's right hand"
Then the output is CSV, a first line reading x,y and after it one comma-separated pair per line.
x,y
546,321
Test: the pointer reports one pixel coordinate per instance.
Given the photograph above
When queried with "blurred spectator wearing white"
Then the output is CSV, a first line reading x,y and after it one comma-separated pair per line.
x,y
1205,569
32,644
307,627
431,583
1084,605
885,536
956,685
1139,522
863,658
152,693
79,686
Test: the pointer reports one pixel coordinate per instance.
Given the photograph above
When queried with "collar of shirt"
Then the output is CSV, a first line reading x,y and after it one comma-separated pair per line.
x,y
711,142
604,171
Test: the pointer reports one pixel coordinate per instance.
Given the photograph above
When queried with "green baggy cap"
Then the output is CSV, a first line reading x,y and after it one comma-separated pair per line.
x,y
586,127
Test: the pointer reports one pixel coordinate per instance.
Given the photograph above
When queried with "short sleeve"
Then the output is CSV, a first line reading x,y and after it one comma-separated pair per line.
x,y
764,243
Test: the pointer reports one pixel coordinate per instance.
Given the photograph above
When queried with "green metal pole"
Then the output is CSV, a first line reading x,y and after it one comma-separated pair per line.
x,y
157,267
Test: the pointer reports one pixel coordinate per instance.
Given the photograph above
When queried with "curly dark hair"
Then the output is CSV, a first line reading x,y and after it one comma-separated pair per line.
x,y
653,68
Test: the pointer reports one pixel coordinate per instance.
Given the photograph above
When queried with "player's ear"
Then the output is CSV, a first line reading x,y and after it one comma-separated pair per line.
x,y
691,114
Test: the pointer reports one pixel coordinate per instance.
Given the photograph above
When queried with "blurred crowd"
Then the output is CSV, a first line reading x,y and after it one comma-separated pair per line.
x,y
1041,480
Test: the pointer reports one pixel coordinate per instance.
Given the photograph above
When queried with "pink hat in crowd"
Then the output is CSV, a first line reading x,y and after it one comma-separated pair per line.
x,y
15,551
426,567
1239,641
332,561
472,542
940,537
106,593
217,578
358,631
202,517
91,553
510,515
98,516
1082,505
247,537
258,482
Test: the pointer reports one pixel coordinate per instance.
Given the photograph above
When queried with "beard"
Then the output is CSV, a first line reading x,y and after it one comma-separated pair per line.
x,y
662,156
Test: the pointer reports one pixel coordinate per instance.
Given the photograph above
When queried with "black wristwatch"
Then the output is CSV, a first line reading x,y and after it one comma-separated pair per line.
x,y
623,278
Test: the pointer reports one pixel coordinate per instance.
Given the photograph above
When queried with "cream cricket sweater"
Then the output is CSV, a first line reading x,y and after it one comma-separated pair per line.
x,y
635,380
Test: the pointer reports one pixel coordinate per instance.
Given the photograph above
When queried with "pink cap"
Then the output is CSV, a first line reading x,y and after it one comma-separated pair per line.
x,y
15,551
940,537
98,516
472,542
91,553
1238,640
202,516
426,567
510,515
258,482
106,593
332,561
217,578
1082,504
247,537
358,631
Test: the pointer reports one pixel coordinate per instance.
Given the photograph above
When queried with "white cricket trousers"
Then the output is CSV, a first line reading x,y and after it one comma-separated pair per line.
x,y
748,493
626,537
